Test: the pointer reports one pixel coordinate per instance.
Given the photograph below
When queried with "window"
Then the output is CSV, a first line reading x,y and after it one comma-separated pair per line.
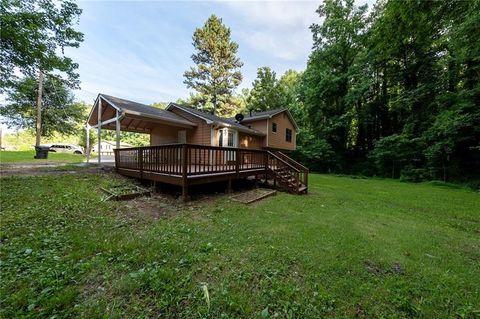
x,y
288,135
227,138
230,139
274,127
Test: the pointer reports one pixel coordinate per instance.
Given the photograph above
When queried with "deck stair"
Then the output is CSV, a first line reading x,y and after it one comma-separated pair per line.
x,y
287,174
192,164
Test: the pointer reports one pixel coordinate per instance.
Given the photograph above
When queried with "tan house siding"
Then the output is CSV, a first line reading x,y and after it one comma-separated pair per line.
x,y
278,140
250,141
164,134
201,134
262,126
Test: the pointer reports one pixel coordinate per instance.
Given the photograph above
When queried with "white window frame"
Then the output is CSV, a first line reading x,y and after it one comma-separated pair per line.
x,y
225,137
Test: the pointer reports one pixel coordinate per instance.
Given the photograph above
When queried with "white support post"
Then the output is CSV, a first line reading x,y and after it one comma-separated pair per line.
x,y
87,143
99,130
117,128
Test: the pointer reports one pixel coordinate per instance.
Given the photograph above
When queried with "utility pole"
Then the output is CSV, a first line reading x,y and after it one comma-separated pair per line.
x,y
39,108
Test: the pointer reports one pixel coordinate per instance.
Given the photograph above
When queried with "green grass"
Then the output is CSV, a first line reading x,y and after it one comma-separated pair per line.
x,y
352,247
24,157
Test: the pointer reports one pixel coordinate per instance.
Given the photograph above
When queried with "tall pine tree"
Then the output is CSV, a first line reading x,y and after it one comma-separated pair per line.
x,y
217,71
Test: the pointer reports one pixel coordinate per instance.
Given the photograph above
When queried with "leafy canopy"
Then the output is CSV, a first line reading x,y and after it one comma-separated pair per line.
x,y
33,33
59,111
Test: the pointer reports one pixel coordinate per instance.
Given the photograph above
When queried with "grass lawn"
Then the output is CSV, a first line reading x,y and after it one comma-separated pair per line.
x,y
15,157
351,248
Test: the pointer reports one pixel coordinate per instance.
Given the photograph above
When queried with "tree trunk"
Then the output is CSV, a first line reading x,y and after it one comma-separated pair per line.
x,y
444,171
39,108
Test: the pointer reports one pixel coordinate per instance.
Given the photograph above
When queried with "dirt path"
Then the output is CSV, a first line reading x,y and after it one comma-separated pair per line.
x,y
49,169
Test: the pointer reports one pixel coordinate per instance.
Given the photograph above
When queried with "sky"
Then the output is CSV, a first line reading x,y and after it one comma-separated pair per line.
x,y
139,50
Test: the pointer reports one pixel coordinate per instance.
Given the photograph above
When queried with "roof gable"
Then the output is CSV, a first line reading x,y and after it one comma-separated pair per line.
x,y
256,116
214,119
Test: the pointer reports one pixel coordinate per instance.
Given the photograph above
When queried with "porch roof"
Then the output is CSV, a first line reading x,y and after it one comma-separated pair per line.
x,y
133,116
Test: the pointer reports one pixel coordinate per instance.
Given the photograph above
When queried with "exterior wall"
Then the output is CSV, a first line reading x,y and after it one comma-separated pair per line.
x,y
199,135
250,141
164,134
262,126
277,140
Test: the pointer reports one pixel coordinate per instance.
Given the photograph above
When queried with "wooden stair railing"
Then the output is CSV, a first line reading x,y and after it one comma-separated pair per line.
x,y
303,170
187,160
288,177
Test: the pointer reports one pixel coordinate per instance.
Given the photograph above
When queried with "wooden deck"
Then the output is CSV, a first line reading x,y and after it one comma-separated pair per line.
x,y
189,164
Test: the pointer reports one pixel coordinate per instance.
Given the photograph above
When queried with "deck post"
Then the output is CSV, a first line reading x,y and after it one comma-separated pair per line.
x,y
140,161
237,161
117,130
117,159
184,173
99,130
266,166
229,189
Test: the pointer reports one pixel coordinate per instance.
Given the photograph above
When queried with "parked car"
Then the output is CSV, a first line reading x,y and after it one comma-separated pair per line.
x,y
66,148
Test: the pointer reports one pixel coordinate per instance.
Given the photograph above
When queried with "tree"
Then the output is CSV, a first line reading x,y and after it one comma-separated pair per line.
x,y
326,83
266,93
217,71
33,33
92,139
160,105
289,85
60,113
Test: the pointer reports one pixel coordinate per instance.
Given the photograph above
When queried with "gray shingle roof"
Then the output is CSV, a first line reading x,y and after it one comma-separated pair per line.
x,y
264,114
216,119
268,114
135,107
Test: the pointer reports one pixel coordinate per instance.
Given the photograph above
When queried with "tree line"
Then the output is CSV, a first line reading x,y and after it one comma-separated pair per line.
x,y
394,92
391,91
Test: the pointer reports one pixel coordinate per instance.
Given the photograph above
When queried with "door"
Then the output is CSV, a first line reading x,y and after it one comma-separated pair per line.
x,y
228,138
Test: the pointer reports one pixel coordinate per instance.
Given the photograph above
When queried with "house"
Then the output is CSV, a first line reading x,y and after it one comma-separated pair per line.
x,y
107,147
189,146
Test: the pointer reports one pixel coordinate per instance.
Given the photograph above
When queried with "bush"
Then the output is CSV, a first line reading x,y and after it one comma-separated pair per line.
x,y
412,174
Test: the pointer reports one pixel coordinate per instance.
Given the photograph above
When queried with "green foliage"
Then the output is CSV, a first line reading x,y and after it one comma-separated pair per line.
x,y
160,105
59,111
33,33
92,139
217,71
398,89
132,138
266,93
393,152
351,248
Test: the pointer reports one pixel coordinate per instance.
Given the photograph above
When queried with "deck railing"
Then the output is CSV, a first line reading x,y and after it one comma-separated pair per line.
x,y
189,159
303,171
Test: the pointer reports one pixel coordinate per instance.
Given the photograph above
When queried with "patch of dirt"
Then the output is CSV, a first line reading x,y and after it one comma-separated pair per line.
x,y
378,270
49,169
360,311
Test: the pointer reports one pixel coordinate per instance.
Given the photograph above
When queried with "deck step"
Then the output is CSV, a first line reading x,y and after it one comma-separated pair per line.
x,y
253,195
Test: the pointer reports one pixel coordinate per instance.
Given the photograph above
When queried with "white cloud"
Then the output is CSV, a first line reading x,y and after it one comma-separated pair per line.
x,y
278,28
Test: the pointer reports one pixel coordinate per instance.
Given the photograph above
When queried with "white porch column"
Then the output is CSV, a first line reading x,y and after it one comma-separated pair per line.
x,y
117,128
87,144
99,129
